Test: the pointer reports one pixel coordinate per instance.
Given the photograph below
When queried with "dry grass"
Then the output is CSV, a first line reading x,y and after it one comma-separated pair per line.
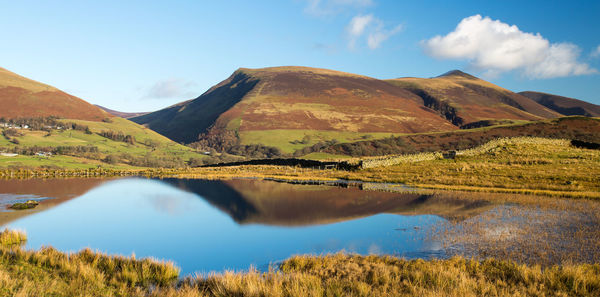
x,y
535,166
48,272
12,237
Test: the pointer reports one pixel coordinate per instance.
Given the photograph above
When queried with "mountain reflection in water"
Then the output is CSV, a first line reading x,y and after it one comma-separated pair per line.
x,y
213,225
279,203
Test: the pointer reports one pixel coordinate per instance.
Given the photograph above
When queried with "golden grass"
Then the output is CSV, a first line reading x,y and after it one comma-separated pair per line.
x,y
12,237
48,272
10,79
521,165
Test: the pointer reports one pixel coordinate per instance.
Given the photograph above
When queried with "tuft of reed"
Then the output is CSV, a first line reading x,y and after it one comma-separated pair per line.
x,y
48,272
12,237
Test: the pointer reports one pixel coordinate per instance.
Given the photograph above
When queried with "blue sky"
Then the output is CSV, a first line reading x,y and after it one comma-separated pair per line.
x,y
145,55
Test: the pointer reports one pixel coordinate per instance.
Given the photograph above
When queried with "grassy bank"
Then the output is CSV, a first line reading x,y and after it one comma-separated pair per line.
x,y
521,165
48,272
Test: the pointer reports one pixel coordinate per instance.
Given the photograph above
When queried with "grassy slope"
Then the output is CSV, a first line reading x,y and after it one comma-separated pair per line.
x,y
574,127
10,79
541,166
165,148
254,102
475,99
48,272
283,138
278,105
23,97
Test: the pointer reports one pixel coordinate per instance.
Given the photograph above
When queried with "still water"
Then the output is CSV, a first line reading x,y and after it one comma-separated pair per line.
x,y
215,225
206,226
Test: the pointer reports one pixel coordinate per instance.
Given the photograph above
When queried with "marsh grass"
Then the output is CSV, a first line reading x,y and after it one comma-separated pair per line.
x,y
48,272
351,275
12,237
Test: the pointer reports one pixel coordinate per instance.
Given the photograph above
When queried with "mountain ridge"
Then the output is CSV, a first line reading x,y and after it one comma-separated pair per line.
x,y
564,105
270,106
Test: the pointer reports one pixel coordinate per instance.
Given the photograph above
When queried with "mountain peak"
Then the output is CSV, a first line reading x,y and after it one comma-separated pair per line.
x,y
459,73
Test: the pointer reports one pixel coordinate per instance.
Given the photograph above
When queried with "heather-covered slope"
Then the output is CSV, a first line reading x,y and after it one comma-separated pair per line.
x,y
21,97
299,100
295,107
564,105
464,99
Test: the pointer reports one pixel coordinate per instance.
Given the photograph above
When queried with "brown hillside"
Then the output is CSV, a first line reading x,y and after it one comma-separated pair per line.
x,y
564,105
21,97
317,99
464,99
297,98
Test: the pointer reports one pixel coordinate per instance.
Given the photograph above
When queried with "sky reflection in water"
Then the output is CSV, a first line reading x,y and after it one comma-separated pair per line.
x,y
158,219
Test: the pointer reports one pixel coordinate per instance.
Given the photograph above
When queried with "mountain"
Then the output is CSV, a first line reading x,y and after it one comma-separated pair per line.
x,y
125,115
564,105
296,98
84,137
294,107
22,97
465,99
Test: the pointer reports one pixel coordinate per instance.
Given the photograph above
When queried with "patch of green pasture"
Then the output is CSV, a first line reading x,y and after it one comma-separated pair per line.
x,y
66,162
283,138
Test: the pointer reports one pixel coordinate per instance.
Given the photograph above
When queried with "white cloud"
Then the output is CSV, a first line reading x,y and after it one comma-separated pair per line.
x,y
380,35
372,27
329,7
496,47
596,52
170,88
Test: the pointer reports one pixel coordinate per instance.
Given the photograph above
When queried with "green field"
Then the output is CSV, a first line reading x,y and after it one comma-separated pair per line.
x,y
147,143
284,138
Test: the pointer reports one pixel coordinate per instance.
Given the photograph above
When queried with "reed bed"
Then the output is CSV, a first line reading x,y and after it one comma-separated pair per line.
x,y
12,237
48,272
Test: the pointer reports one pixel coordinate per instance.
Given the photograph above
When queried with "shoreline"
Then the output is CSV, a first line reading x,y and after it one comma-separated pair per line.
x,y
322,177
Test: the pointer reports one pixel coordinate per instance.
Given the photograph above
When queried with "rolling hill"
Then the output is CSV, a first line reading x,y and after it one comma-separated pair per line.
x,y
295,107
465,99
564,105
22,97
83,136
302,99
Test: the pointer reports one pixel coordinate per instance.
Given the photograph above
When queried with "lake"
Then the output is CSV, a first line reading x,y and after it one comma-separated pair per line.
x,y
206,225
